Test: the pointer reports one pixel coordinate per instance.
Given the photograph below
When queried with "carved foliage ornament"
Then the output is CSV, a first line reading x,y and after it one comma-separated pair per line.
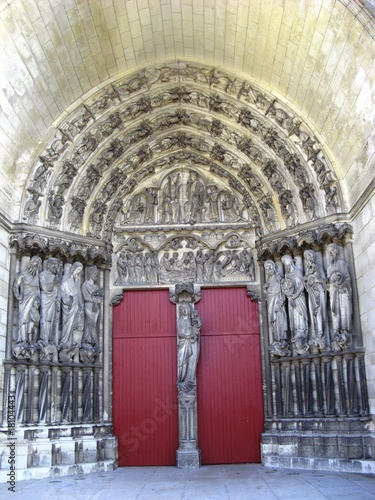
x,y
29,243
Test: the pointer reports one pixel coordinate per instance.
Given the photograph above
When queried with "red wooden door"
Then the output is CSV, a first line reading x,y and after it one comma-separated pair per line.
x,y
229,383
145,416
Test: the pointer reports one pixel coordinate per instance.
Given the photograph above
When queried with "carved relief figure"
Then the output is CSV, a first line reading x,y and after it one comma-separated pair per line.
x,y
151,200
136,210
72,305
188,334
340,288
32,207
246,263
229,207
293,287
26,290
122,269
315,284
50,299
212,194
92,296
277,316
194,207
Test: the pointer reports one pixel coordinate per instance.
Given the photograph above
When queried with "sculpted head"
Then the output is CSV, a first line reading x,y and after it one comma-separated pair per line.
x,y
92,272
269,267
184,309
287,261
35,265
333,250
76,269
309,255
52,265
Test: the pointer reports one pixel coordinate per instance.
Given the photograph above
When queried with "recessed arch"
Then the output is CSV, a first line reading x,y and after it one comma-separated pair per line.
x,y
114,138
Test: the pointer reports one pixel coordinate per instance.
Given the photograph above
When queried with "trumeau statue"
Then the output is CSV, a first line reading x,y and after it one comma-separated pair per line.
x,y
276,310
188,347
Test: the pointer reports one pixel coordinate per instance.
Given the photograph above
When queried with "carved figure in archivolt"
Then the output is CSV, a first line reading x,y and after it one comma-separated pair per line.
x,y
50,299
188,347
293,287
340,290
277,317
27,291
316,287
72,305
32,206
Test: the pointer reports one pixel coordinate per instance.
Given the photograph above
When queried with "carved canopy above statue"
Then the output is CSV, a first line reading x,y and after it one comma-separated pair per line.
x,y
185,144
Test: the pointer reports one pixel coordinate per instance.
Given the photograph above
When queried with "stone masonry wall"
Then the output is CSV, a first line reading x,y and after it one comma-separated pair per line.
x,y
4,283
364,254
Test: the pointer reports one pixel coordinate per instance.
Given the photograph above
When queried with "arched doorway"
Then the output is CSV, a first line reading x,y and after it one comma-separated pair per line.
x,y
230,405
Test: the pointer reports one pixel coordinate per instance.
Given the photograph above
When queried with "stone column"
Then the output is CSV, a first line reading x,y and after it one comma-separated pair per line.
x,y
188,345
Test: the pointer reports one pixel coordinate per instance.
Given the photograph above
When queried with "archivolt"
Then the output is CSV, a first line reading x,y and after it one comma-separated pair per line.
x,y
187,114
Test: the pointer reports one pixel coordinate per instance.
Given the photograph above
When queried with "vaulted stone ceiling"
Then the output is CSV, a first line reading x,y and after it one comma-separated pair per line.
x,y
311,62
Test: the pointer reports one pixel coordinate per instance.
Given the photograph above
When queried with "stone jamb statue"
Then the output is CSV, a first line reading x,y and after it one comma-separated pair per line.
x,y
276,311
72,312
316,287
340,290
26,290
50,299
293,287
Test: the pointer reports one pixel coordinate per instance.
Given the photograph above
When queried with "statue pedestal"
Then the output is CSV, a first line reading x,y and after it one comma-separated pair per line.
x,y
188,454
188,459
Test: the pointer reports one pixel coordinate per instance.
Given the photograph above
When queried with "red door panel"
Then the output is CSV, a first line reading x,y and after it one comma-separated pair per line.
x,y
229,386
144,379
230,410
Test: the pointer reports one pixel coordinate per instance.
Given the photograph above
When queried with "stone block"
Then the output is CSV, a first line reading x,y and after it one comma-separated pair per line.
x,y
110,449
306,446
90,451
319,449
330,447
188,459
67,451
